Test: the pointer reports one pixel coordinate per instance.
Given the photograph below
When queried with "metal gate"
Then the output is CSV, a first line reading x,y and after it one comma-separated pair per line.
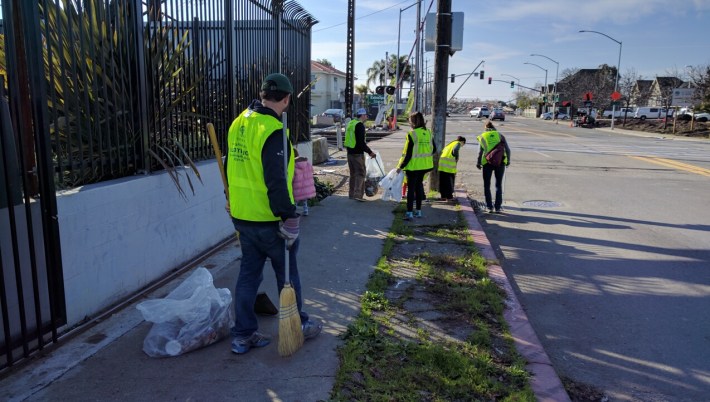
x,y
31,283
93,90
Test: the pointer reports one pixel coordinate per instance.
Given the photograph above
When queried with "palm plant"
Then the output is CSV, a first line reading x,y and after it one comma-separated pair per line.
x,y
93,92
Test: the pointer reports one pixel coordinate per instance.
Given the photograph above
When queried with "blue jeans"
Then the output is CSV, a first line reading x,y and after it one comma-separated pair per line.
x,y
259,242
488,171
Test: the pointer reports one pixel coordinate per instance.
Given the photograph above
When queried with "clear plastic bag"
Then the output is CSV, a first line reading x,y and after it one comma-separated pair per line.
x,y
193,315
392,185
374,168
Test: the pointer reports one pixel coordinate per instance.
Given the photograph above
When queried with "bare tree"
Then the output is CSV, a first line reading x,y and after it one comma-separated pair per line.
x,y
627,83
699,77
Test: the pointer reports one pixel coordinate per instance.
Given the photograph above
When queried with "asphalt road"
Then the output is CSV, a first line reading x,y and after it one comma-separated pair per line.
x,y
606,240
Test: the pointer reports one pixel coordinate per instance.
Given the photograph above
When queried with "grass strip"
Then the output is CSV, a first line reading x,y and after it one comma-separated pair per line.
x,y
379,364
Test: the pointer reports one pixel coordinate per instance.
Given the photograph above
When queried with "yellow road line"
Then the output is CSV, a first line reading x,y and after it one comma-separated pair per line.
x,y
674,164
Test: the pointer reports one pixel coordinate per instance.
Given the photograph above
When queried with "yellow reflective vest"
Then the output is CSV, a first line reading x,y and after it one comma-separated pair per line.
x,y
248,199
447,162
422,149
350,133
488,141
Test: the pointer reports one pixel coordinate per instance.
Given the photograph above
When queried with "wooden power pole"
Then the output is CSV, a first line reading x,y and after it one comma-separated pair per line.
x,y
441,72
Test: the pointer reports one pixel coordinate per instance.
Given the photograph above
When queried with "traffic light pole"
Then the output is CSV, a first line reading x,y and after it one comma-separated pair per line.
x,y
462,84
521,86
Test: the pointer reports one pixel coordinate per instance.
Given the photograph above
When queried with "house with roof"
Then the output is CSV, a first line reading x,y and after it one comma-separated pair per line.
x,y
661,91
641,93
327,88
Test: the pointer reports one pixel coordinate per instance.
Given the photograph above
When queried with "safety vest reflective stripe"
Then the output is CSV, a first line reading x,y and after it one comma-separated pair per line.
x,y
421,150
447,162
248,198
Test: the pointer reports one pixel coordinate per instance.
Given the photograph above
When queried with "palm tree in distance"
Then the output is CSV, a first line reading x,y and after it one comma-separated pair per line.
x,y
376,73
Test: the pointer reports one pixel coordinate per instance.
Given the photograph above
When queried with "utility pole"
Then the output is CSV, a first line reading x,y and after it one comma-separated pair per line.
x,y
441,73
350,60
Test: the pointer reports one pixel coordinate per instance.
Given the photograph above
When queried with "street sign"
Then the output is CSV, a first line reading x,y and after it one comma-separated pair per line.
x,y
616,95
374,99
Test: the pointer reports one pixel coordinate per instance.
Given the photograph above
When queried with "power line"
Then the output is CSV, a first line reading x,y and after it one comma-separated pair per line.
x,y
364,16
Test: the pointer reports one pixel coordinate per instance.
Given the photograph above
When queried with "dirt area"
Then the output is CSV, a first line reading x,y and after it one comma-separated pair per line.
x,y
682,128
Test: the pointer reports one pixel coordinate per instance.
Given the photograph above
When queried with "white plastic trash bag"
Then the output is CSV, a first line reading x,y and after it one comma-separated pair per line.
x,y
392,185
374,168
193,315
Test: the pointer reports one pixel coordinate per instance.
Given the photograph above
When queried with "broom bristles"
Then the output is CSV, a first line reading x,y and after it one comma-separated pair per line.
x,y
290,332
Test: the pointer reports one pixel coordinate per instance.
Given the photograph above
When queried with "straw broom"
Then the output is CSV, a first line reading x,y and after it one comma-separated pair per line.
x,y
290,331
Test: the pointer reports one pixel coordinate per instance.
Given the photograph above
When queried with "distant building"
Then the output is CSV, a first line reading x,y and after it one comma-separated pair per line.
x,y
661,91
641,93
327,91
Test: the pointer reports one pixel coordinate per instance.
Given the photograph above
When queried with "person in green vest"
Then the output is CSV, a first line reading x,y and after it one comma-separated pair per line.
x,y
488,140
262,208
417,159
447,168
356,144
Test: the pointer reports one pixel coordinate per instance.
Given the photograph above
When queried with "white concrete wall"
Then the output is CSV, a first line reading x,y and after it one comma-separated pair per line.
x,y
121,235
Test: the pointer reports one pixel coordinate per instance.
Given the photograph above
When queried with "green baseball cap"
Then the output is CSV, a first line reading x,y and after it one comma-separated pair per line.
x,y
277,82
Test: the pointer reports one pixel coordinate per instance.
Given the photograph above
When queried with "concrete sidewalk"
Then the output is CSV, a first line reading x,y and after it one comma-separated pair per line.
x,y
341,242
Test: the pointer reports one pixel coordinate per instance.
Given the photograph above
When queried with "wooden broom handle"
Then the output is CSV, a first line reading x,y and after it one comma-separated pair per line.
x,y
218,154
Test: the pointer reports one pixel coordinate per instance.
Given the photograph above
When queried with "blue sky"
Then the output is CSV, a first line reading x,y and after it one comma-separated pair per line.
x,y
658,37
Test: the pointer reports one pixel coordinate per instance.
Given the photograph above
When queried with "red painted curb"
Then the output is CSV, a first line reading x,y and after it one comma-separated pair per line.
x,y
545,382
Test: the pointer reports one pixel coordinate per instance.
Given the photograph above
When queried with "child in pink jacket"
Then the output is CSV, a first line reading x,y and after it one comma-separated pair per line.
x,y
304,187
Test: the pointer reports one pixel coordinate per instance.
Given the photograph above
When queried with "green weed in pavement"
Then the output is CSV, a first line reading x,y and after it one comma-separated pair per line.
x,y
379,365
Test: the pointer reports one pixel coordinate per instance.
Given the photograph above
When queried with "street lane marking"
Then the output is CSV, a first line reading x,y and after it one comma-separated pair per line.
x,y
674,164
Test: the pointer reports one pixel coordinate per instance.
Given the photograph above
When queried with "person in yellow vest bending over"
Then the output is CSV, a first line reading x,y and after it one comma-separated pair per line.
x,y
356,144
417,159
262,208
447,168
488,140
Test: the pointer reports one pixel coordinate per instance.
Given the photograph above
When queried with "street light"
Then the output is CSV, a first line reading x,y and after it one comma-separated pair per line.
x,y
557,70
396,82
618,65
544,69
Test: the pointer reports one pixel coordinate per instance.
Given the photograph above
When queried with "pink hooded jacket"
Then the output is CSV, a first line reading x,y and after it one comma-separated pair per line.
x,y
303,184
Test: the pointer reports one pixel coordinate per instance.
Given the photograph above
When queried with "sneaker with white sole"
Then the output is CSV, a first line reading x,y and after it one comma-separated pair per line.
x,y
311,328
256,340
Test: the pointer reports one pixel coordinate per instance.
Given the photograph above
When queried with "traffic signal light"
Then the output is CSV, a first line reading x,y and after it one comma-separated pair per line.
x,y
512,84
380,90
453,78
490,79
480,75
544,99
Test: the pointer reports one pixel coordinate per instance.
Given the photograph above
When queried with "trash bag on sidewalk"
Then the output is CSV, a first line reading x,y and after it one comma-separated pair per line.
x,y
374,168
392,185
193,315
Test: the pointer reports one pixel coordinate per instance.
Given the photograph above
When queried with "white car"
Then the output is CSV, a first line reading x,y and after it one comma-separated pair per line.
x,y
704,116
479,112
548,116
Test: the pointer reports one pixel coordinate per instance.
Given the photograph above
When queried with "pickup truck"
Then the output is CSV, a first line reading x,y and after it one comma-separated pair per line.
x,y
619,112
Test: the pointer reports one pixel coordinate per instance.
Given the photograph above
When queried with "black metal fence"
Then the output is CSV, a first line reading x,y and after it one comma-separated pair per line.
x,y
94,90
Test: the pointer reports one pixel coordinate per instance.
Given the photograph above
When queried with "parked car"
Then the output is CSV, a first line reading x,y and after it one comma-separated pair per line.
x,y
497,114
480,112
549,115
644,113
704,116
619,112
337,114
